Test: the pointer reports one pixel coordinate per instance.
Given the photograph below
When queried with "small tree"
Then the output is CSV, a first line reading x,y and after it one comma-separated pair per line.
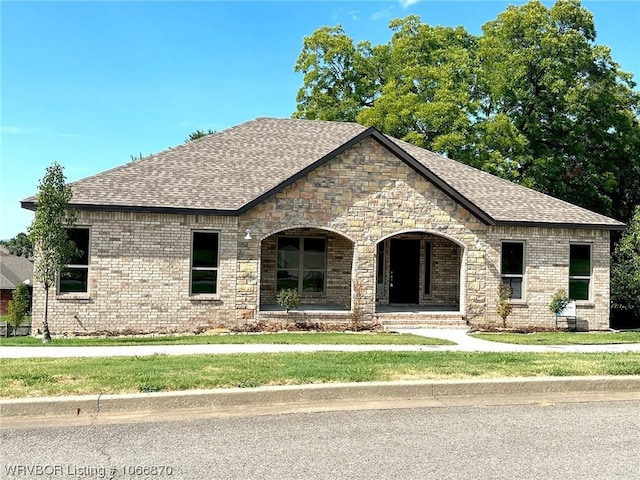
x,y
48,232
504,304
288,299
18,307
559,302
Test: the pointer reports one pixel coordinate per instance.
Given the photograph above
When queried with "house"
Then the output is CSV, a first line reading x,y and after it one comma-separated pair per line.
x,y
208,232
14,270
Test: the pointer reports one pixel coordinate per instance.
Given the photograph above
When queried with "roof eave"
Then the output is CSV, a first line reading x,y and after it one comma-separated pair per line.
x,y
140,209
581,226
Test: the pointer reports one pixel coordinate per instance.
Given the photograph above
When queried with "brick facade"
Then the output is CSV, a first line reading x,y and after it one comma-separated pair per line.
x,y
140,262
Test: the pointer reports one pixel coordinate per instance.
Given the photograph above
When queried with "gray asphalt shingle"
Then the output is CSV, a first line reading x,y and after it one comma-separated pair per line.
x,y
227,170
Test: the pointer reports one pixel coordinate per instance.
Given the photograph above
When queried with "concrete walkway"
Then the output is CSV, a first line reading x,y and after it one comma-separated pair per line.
x,y
464,343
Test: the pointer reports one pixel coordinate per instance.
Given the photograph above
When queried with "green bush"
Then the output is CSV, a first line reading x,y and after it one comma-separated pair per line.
x,y
288,299
559,301
18,307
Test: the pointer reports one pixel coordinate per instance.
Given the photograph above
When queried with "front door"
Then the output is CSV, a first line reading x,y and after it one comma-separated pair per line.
x,y
404,272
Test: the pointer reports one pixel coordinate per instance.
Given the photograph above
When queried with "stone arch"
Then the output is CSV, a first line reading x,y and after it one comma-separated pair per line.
x,y
421,267
337,251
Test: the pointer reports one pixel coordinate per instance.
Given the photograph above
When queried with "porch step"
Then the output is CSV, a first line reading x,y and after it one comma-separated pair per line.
x,y
392,321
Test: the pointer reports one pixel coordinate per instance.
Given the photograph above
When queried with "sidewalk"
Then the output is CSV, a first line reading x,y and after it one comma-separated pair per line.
x,y
464,343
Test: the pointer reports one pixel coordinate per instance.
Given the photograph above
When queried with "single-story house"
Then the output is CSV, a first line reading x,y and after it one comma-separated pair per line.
x,y
208,232
14,270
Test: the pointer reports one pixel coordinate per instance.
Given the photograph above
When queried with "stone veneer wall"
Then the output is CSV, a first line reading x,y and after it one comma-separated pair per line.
x,y
366,194
139,276
546,271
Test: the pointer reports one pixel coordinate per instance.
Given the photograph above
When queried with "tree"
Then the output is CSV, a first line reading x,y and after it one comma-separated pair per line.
x,y
48,232
625,270
18,306
541,69
532,99
19,245
198,134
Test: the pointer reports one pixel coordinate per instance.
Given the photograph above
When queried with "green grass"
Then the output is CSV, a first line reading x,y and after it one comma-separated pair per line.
x,y
275,338
562,338
74,376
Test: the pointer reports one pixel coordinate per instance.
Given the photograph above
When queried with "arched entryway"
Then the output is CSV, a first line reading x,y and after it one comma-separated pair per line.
x,y
317,263
418,271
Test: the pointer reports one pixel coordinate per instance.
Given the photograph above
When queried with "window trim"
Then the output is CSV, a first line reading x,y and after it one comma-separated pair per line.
x,y
77,266
207,269
582,277
301,269
521,276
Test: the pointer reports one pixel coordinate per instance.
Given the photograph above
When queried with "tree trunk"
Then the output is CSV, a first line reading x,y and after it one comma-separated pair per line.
x,y
46,335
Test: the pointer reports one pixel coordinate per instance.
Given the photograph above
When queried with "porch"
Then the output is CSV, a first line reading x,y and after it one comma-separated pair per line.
x,y
417,274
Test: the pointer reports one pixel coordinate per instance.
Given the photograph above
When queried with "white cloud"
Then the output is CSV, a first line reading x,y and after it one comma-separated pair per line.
x,y
381,15
14,130
407,3
71,135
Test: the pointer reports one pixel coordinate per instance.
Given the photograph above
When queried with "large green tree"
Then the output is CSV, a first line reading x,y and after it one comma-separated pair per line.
x,y
19,245
48,232
533,99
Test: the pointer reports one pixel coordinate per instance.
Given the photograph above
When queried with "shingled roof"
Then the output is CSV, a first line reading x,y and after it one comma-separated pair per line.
x,y
231,171
14,270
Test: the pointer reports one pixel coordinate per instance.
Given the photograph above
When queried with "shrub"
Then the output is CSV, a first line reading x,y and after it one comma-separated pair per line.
x,y
559,302
18,307
288,299
504,305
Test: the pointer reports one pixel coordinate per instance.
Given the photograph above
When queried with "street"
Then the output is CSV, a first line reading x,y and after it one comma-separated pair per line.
x,y
548,441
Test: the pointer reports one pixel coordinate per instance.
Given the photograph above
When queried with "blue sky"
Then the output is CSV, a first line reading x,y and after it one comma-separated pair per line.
x,y
88,84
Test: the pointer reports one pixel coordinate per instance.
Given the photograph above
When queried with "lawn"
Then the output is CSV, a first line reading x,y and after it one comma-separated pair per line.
x,y
75,376
270,338
562,338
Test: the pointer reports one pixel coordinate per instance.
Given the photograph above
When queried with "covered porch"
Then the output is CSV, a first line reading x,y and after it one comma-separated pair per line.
x,y
417,275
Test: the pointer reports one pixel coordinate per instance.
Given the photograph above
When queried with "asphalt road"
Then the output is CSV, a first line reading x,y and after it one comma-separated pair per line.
x,y
592,440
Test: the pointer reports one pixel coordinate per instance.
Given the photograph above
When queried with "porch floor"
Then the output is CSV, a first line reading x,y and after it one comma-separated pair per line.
x,y
274,307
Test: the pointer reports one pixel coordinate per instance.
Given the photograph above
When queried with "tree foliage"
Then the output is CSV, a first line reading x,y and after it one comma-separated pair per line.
x,y
625,269
198,134
532,99
19,245
19,306
48,232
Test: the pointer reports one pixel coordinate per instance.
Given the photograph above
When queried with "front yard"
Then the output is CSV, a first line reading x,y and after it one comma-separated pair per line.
x,y
270,338
562,338
35,377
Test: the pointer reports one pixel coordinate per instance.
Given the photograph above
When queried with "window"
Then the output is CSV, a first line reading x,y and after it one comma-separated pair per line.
x,y
512,267
427,268
579,272
204,263
75,275
302,264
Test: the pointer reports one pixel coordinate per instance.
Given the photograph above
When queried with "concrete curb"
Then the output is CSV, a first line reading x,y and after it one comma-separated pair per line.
x,y
309,394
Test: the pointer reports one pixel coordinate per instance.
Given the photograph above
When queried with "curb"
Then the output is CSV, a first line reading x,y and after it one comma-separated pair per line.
x,y
309,394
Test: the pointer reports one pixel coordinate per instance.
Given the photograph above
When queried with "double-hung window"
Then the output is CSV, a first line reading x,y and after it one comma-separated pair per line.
x,y
579,271
205,258
74,277
512,267
302,264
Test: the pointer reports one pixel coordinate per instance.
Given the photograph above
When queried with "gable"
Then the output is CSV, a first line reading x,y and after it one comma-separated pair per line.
x,y
230,172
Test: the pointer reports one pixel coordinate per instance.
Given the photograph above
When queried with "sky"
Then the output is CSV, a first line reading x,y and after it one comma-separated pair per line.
x,y
91,84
